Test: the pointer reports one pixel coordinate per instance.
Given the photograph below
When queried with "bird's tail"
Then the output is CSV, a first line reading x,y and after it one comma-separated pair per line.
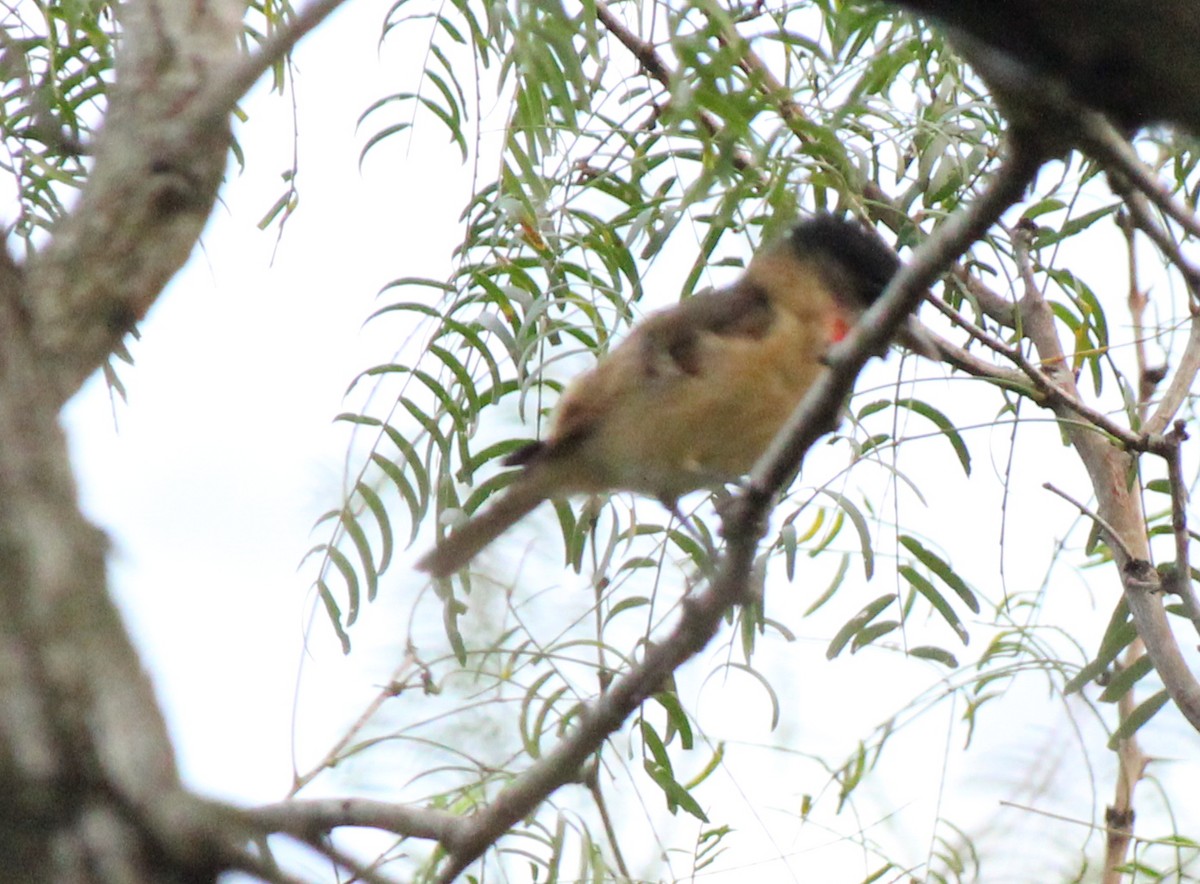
x,y
453,552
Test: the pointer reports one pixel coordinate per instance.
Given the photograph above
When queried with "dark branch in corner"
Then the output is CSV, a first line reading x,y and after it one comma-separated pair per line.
x,y
1139,211
1099,138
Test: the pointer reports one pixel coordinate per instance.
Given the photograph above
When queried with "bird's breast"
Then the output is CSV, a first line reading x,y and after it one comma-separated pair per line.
x,y
667,432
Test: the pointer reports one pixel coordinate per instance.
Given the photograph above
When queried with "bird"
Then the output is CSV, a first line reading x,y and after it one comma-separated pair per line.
x,y
696,392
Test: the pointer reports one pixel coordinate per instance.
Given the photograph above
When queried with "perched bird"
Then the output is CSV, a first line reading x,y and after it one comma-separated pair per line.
x,y
695,394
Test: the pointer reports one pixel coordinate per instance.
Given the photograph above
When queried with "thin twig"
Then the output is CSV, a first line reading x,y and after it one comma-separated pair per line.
x,y
1052,392
1139,212
592,780
1022,241
359,872
1137,300
1114,539
1180,386
1180,579
244,861
387,692
319,816
966,361
995,306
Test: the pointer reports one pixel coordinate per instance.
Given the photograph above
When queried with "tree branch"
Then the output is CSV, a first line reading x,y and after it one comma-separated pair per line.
x,y
89,776
1178,576
307,818
150,192
227,89
1180,386
1100,139
703,613
159,161
1119,505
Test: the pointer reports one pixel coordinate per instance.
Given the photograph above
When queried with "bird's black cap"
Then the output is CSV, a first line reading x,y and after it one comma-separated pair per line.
x,y
863,260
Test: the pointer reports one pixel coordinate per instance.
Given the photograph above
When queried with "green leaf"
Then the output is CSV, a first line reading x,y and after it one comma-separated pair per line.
x,y
1137,718
860,525
714,762
843,567
1125,678
358,537
416,508
925,588
654,743
531,733
677,718
869,634
857,622
335,614
937,655
942,569
944,424
1117,636
1048,237
676,794
342,564
375,505
625,604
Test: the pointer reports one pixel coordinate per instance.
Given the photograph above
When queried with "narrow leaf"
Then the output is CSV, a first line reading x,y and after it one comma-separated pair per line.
x,y
1138,717
927,589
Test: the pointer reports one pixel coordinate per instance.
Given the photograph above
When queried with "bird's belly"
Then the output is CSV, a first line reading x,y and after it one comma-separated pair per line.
x,y
693,431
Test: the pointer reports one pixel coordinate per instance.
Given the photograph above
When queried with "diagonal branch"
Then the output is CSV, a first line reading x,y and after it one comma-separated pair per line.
x,y
228,89
703,613
1180,386
1177,578
1101,139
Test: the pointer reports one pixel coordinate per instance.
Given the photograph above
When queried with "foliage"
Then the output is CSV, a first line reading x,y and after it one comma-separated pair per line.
x,y
56,61
646,152
56,65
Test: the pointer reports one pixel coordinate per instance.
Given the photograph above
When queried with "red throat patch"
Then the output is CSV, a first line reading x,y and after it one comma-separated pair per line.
x,y
839,327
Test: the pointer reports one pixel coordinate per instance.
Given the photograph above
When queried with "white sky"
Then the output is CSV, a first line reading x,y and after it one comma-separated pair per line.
x,y
225,454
